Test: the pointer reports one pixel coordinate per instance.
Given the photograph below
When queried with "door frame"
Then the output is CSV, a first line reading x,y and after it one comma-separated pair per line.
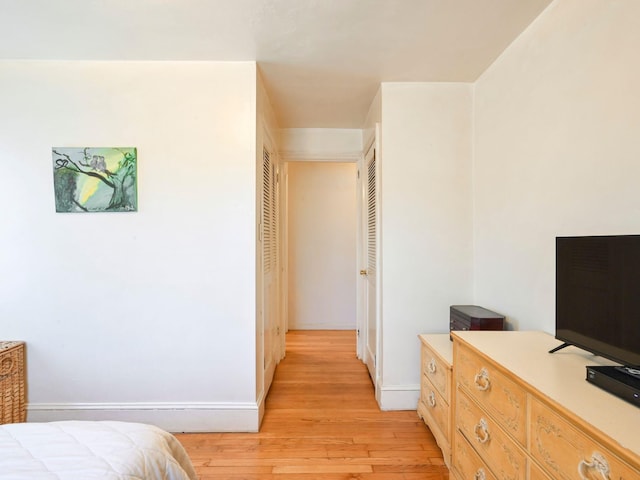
x,y
268,358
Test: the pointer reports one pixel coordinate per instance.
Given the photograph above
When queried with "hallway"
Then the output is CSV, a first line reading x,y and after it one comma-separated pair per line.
x,y
321,422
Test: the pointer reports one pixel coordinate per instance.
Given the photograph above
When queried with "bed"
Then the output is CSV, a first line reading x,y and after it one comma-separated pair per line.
x,y
91,450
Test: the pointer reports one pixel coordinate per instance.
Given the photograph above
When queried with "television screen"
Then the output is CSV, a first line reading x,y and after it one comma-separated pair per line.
x,y
598,295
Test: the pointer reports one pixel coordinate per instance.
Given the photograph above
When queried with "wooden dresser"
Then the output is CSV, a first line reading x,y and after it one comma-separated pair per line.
x,y
12,382
434,406
521,413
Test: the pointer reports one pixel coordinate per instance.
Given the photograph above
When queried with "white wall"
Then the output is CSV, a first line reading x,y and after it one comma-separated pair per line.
x,y
322,245
426,231
145,316
557,150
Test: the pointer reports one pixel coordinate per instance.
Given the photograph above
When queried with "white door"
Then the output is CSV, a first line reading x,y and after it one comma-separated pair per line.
x,y
270,262
371,272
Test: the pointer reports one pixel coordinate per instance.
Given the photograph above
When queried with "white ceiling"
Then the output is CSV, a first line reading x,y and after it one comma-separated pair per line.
x,y
322,60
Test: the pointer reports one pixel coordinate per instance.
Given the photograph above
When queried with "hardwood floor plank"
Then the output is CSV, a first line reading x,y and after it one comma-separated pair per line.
x,y
321,422
333,468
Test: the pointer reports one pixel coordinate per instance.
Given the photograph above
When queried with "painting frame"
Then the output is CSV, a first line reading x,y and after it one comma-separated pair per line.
x,y
95,179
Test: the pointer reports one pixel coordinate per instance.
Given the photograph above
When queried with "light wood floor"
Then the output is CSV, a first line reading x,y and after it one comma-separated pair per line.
x,y
321,422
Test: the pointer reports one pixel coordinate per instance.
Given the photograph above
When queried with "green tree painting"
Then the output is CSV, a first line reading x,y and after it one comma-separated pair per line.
x,y
95,179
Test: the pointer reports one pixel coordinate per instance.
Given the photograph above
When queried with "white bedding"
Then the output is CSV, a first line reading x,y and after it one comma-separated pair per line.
x,y
91,450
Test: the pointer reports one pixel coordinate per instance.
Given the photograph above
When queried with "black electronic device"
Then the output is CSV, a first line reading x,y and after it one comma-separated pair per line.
x,y
615,380
598,302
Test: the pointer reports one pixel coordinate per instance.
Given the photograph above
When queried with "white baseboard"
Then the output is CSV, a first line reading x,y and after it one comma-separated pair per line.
x,y
173,417
261,400
398,397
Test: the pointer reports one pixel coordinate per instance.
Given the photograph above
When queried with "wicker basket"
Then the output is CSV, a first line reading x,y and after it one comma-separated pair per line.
x,y
12,383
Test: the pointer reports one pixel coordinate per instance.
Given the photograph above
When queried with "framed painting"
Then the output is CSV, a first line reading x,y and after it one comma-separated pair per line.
x,y
100,179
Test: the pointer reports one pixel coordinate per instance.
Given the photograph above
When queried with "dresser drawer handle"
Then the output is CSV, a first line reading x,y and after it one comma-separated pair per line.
x,y
432,366
598,464
432,399
482,431
480,475
481,380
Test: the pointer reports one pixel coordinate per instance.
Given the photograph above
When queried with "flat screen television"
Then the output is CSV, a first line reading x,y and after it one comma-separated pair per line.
x,y
598,295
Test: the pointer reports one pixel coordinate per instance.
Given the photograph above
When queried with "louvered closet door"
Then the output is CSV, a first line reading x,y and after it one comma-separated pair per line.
x,y
270,214
270,262
372,248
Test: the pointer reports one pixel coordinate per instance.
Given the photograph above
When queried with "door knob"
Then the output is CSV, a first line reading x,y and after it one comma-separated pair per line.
x,y
363,272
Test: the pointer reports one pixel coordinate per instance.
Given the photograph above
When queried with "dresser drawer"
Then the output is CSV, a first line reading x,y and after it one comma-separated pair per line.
x,y
506,460
437,371
568,453
435,407
504,399
467,463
